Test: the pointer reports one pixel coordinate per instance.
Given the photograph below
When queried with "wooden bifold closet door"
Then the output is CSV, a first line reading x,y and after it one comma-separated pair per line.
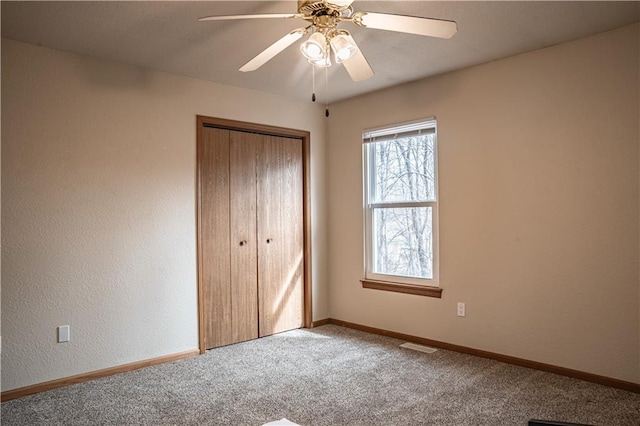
x,y
251,235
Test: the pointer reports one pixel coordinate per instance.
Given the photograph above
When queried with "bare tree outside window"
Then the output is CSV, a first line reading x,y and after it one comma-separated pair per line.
x,y
401,201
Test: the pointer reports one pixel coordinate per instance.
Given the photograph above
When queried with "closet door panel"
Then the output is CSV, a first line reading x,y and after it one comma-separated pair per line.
x,y
244,278
280,235
214,217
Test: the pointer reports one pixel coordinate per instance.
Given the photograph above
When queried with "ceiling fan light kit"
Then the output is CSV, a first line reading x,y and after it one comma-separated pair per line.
x,y
323,62
314,48
323,17
343,48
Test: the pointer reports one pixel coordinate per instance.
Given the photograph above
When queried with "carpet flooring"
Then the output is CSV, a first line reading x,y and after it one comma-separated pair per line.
x,y
327,376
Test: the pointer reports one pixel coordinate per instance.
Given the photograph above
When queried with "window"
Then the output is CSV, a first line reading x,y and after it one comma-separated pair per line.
x,y
401,210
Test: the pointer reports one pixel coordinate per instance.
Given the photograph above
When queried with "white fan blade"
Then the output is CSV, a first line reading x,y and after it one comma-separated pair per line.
x,y
357,65
271,51
407,24
263,16
338,4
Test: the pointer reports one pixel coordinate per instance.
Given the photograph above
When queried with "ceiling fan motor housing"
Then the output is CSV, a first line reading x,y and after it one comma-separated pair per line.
x,y
312,7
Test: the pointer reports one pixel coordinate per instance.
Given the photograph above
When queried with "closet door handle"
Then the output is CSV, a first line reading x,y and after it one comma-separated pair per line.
x,y
243,242
269,240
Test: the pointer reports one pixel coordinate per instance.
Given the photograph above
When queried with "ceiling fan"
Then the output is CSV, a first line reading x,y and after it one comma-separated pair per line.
x,y
324,17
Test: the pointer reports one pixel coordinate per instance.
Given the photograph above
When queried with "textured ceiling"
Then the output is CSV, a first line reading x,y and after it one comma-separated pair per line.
x,y
167,36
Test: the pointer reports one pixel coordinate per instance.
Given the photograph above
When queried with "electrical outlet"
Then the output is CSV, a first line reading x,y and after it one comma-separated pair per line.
x,y
64,334
462,311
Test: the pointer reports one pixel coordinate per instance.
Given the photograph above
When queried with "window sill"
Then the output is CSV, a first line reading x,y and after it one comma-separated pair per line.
x,y
418,290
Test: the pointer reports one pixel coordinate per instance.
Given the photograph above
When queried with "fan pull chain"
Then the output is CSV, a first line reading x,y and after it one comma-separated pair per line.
x,y
326,85
313,83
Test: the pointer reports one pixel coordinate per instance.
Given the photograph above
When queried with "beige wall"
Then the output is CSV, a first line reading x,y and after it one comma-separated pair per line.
x,y
539,206
98,208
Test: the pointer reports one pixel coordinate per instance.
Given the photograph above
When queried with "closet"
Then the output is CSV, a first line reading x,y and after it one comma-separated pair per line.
x,y
251,228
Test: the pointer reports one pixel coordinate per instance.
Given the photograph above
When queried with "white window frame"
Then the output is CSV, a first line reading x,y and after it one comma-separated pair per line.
x,y
369,136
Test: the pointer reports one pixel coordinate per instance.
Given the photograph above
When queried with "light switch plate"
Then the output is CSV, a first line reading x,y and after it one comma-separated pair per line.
x,y
64,334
